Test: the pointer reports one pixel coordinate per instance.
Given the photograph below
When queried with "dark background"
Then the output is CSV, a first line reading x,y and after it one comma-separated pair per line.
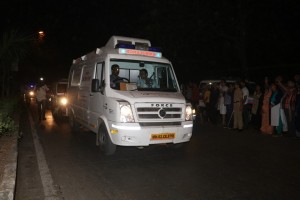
x,y
203,39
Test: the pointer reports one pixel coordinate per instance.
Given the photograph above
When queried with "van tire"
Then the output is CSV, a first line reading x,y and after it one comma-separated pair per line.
x,y
105,143
73,123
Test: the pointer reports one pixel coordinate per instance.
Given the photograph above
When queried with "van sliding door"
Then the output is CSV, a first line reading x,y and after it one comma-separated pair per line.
x,y
96,98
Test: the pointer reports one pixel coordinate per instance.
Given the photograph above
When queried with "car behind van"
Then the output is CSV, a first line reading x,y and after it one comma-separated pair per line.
x,y
58,101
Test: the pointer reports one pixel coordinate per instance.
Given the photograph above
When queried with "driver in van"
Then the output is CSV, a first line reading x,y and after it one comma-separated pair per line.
x,y
144,81
114,77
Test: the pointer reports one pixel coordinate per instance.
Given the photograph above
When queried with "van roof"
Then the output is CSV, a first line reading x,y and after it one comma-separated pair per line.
x,y
114,40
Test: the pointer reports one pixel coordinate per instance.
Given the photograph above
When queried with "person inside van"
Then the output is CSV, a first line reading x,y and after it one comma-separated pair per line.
x,y
144,81
114,77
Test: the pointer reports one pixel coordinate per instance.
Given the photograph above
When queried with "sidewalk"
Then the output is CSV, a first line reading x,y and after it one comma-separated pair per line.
x,y
8,163
8,166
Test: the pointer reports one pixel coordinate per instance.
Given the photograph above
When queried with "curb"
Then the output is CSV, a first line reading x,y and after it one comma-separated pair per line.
x,y
7,186
8,182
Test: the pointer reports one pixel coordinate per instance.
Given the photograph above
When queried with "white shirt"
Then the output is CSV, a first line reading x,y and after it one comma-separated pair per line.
x,y
223,89
41,93
245,93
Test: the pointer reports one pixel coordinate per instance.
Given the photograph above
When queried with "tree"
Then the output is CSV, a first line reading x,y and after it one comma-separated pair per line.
x,y
13,47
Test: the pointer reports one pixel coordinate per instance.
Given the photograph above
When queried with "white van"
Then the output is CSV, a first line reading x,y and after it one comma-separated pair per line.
x,y
128,115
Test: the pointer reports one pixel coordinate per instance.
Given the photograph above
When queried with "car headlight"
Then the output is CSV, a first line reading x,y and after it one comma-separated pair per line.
x,y
126,112
63,101
194,111
31,93
188,113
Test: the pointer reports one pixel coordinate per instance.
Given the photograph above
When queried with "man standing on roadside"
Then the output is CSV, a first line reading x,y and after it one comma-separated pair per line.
x,y
238,107
246,106
223,90
41,100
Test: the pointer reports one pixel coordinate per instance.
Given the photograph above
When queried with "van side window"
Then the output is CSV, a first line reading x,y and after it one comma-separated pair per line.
x,y
87,74
99,72
76,77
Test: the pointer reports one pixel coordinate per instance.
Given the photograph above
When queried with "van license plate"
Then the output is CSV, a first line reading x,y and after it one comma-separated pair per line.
x,y
163,136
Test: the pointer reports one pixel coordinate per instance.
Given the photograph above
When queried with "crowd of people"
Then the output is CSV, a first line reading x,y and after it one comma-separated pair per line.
x,y
272,108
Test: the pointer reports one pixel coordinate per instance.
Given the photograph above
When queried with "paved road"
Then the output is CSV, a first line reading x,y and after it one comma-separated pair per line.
x,y
217,164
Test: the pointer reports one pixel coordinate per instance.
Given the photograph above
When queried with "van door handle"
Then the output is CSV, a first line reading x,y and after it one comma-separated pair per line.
x,y
105,106
91,94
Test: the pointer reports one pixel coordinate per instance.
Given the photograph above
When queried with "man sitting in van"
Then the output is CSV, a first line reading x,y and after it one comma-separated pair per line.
x,y
144,81
115,79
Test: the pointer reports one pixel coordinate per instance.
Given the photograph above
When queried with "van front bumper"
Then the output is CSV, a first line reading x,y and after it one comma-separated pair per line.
x,y
132,134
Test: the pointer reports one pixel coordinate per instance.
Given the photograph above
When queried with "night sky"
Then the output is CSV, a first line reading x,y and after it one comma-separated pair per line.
x,y
218,38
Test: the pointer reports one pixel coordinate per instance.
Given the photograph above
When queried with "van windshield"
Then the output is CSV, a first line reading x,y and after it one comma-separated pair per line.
x,y
143,76
62,87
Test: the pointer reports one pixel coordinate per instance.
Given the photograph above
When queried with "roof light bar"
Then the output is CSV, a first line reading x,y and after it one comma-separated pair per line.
x,y
140,52
156,49
125,46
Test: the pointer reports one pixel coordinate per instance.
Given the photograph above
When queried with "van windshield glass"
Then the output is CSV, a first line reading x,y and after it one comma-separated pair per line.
x,y
61,88
143,76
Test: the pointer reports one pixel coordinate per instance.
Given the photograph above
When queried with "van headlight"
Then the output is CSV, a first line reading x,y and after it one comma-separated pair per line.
x,y
188,113
63,101
126,112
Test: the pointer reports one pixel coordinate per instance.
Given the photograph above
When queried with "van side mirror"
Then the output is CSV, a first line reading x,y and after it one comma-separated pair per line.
x,y
95,85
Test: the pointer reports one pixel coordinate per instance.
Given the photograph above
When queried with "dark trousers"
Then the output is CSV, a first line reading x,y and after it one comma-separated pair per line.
x,y
290,118
246,115
256,121
41,109
229,115
212,113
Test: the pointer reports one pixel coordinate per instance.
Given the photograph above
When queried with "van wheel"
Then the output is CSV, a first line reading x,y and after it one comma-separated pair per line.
x,y
74,125
105,143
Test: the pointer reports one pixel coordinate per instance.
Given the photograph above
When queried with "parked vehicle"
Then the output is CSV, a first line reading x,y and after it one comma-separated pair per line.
x,y
57,102
29,93
128,115
250,84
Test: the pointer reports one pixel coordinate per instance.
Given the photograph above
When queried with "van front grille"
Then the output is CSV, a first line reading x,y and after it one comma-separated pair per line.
x,y
157,111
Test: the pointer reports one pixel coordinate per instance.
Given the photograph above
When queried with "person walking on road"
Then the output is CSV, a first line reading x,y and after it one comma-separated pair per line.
x,y
41,100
